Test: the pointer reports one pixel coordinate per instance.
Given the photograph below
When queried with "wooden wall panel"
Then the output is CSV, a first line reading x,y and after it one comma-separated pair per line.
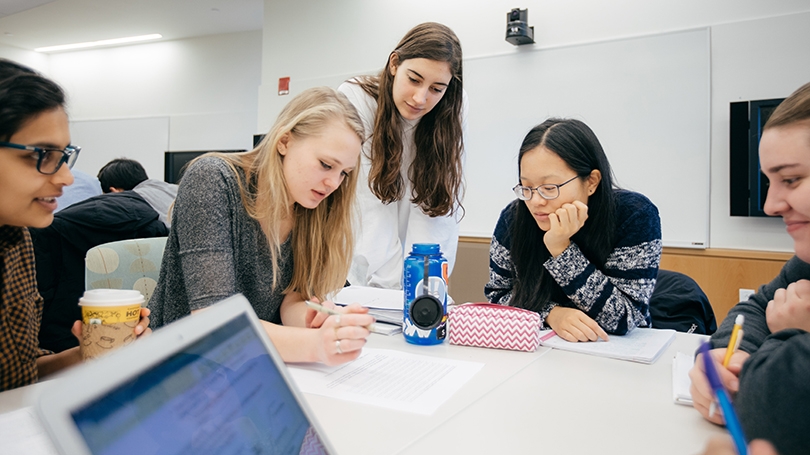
x,y
471,271
721,273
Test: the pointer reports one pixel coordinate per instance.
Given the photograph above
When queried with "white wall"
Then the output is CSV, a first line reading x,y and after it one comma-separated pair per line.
x,y
316,40
751,60
205,88
31,59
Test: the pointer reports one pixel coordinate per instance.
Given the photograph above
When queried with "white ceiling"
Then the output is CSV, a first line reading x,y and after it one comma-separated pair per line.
x,y
29,24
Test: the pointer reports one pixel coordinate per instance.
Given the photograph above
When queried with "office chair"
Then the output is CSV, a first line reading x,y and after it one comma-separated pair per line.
x,y
678,303
125,264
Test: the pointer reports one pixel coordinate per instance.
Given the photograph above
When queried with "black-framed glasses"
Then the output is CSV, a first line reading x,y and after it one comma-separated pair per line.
x,y
50,160
548,191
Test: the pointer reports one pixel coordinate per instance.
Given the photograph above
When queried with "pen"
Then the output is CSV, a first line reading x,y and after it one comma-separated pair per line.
x,y
547,336
732,423
318,307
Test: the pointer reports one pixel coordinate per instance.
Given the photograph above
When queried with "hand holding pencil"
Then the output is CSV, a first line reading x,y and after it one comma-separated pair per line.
x,y
703,398
315,318
334,312
733,345
340,333
721,395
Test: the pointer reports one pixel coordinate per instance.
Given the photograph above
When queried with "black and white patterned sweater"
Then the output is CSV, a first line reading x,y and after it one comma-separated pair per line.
x,y
617,296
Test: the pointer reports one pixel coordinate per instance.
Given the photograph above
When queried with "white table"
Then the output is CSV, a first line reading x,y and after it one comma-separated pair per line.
x,y
13,399
548,401
544,402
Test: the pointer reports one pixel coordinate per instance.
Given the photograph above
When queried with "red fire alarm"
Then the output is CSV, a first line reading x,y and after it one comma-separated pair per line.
x,y
283,86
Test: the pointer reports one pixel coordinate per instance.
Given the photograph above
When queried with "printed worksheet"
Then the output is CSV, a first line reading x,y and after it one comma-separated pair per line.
x,y
22,432
390,379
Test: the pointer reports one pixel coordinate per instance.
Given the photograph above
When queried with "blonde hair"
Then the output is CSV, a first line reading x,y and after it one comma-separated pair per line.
x,y
322,239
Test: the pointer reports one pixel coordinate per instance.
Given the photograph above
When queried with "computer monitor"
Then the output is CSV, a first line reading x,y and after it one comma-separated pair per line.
x,y
174,163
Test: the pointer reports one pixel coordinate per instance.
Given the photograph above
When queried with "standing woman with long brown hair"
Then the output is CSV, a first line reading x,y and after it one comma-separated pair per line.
x,y
410,184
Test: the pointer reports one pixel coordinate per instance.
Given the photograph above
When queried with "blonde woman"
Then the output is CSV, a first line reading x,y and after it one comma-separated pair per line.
x,y
273,224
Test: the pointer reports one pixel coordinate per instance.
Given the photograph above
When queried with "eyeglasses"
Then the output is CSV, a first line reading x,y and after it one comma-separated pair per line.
x,y
548,191
50,160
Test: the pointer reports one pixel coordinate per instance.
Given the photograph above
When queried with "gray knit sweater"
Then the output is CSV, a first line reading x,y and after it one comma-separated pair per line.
x,y
774,390
216,250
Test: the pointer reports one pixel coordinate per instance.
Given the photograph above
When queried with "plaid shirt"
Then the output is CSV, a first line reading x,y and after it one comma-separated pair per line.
x,y
20,309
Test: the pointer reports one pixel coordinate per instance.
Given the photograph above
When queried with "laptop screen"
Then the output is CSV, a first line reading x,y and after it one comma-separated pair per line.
x,y
220,395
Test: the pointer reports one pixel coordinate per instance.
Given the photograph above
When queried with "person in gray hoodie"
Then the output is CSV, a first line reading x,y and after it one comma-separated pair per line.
x,y
123,174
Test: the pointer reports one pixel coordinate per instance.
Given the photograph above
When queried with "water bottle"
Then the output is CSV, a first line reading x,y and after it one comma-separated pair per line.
x,y
424,280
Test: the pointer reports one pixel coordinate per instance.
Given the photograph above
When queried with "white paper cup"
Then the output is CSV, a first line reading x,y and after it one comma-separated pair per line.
x,y
109,317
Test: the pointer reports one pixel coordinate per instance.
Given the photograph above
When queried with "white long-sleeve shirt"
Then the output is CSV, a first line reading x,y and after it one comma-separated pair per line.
x,y
385,233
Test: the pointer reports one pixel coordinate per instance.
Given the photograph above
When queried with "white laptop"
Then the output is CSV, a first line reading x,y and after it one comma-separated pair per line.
x,y
211,383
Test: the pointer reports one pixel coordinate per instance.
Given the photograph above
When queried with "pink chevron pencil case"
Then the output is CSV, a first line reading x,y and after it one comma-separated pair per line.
x,y
496,326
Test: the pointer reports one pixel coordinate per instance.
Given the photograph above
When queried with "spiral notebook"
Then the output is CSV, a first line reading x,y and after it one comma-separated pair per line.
x,y
638,345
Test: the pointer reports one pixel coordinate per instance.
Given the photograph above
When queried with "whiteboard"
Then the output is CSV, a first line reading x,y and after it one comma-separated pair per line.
x,y
142,139
646,98
147,139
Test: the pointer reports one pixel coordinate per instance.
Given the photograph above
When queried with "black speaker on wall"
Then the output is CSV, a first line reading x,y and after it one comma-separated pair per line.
x,y
748,186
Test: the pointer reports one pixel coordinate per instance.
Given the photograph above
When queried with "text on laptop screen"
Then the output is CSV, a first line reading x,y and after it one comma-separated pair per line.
x,y
221,395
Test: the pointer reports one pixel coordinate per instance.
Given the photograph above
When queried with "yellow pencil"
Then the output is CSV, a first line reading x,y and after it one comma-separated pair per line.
x,y
736,338
733,344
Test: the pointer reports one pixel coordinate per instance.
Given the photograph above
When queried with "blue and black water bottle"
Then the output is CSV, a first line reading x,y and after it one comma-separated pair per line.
x,y
424,280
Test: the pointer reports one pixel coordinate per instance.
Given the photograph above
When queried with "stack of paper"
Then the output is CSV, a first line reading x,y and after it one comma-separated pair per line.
x,y
391,379
639,345
21,431
681,364
384,304
384,328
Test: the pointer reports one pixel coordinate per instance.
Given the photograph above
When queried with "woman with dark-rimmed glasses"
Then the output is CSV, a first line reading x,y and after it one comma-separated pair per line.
x,y
573,247
35,161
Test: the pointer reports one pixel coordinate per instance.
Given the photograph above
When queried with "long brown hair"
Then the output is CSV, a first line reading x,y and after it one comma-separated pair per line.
x,y
435,173
322,239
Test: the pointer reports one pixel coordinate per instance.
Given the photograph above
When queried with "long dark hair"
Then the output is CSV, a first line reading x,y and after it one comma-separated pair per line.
x,y
24,94
577,145
436,169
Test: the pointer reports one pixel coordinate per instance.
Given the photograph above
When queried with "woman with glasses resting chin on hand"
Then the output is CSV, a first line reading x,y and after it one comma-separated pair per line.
x,y
35,161
572,247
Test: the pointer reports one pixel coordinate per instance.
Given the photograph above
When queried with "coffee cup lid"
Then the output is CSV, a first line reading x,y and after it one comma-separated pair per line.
x,y
111,297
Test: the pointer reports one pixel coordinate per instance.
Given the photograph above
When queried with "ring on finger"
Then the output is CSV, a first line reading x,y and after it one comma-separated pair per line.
x,y
337,345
